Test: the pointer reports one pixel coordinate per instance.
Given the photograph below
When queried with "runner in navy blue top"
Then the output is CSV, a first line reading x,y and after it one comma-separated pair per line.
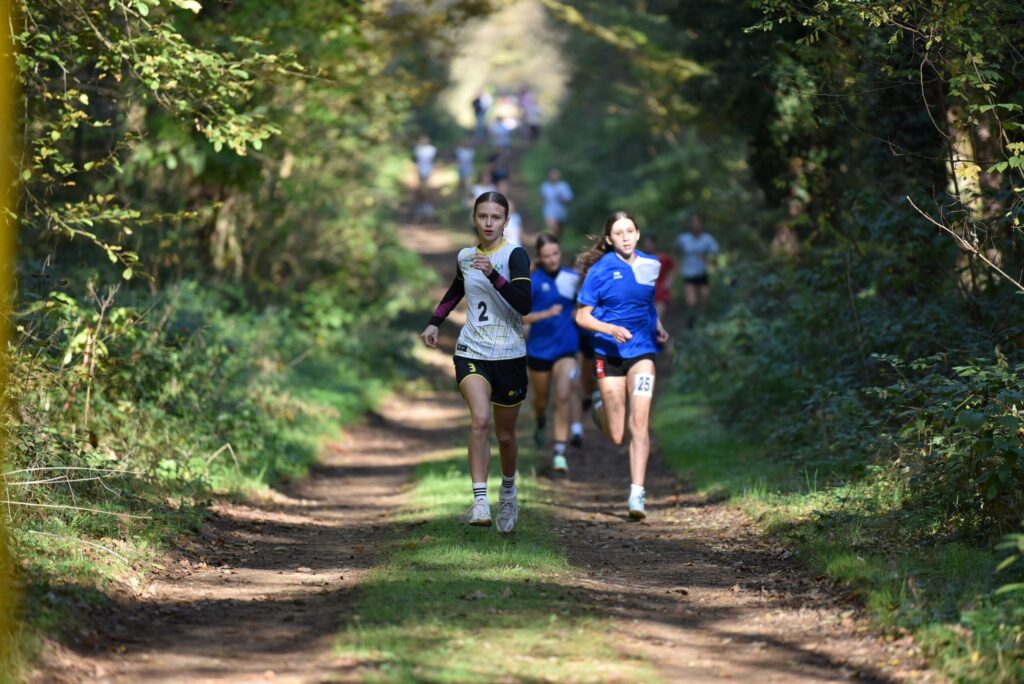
x,y
616,303
551,346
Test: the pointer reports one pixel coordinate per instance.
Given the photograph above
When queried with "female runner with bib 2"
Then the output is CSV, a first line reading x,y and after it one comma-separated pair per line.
x,y
490,355
616,303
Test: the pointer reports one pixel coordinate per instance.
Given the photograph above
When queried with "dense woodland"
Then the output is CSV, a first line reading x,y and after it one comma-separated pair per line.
x,y
862,164
207,257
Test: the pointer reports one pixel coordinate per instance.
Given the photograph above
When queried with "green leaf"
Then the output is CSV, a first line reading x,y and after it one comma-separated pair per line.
x,y
1007,562
127,273
972,420
1018,586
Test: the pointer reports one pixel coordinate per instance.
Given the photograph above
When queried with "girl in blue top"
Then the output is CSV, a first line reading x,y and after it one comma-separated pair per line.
x,y
552,345
616,303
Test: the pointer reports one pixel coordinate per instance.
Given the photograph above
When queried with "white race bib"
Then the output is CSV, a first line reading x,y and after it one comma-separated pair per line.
x,y
643,385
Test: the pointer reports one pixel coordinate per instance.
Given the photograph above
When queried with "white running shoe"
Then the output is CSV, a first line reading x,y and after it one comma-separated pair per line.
x,y
559,464
636,506
508,510
479,514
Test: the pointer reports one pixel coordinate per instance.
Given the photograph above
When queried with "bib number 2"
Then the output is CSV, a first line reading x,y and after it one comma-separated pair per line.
x,y
644,385
483,312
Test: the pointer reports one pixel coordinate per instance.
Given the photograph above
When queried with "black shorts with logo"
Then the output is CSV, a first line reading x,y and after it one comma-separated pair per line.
x,y
614,367
507,377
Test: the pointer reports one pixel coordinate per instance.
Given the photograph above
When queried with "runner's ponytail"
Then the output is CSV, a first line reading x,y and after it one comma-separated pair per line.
x,y
600,246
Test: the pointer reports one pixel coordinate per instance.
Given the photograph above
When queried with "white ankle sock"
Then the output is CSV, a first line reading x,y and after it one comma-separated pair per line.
x,y
635,490
480,491
576,429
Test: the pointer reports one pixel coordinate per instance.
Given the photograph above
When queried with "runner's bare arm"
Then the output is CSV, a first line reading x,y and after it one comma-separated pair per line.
x,y
550,312
585,319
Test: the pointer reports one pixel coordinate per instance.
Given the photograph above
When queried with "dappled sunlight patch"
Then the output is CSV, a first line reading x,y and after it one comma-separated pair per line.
x,y
516,46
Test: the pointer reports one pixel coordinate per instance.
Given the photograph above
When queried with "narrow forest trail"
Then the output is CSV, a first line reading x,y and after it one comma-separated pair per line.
x,y
697,591
261,593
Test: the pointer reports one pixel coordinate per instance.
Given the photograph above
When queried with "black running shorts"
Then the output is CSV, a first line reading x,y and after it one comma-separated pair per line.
x,y
613,367
506,377
697,280
543,365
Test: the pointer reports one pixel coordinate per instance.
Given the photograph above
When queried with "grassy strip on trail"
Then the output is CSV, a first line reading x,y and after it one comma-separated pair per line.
x,y
454,603
942,592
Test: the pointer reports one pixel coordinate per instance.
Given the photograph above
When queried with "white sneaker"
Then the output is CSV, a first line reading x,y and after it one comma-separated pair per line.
x,y
508,510
636,506
559,464
479,514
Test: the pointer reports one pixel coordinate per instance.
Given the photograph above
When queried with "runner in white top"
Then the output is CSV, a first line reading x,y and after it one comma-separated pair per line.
x,y
555,194
697,250
514,229
465,155
424,154
490,354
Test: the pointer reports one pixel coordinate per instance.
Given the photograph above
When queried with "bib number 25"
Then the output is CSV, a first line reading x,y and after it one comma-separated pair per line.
x,y
644,385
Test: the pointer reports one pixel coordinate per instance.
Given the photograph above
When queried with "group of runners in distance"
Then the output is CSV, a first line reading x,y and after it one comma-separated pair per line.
x,y
603,310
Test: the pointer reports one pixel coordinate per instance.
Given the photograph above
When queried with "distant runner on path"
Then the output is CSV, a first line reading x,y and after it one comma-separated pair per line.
x,y
424,155
698,250
465,155
555,195
617,304
481,105
552,345
490,355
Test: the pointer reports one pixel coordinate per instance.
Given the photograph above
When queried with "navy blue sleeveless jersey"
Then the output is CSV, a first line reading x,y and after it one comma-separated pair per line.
x,y
623,294
553,338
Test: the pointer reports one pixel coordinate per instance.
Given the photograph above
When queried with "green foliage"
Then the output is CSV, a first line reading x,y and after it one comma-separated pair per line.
x,y
207,254
631,136
958,431
876,357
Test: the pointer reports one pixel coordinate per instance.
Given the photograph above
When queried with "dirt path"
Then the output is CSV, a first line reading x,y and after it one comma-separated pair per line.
x,y
261,594
700,592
